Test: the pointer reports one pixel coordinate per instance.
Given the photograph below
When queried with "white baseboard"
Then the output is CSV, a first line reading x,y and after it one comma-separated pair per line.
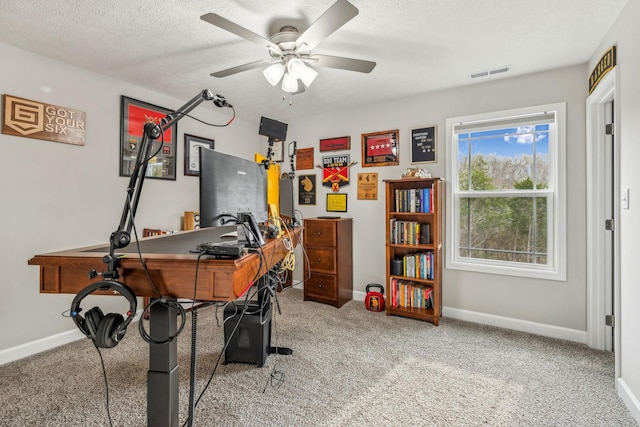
x,y
505,322
359,295
631,402
38,346
28,349
517,324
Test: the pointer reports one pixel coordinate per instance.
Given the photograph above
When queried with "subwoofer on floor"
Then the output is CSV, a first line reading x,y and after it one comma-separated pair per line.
x,y
251,341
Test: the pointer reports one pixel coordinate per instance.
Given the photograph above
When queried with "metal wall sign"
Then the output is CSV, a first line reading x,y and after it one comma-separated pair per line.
x,y
33,119
336,171
606,64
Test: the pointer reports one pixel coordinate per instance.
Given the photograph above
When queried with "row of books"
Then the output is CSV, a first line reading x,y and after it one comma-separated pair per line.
x,y
414,200
409,232
148,232
408,294
419,265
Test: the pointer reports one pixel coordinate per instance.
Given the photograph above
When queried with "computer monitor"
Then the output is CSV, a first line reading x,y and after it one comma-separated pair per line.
x,y
232,187
287,208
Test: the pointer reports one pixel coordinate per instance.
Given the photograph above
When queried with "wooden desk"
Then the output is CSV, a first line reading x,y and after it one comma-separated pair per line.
x,y
173,269
171,265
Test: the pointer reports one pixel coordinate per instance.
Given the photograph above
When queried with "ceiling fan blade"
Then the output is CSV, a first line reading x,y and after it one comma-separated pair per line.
x,y
241,68
335,17
232,27
350,64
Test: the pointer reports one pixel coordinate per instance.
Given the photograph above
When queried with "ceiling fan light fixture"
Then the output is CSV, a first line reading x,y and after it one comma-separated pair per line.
x,y
289,83
274,73
295,67
308,76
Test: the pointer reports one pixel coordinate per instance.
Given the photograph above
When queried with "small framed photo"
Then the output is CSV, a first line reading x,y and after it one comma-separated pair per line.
x,y
192,146
381,148
337,202
423,145
134,115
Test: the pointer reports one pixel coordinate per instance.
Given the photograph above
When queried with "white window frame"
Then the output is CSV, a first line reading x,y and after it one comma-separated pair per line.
x,y
556,199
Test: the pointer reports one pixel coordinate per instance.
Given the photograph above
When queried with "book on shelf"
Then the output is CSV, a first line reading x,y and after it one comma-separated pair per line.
x,y
408,232
409,294
425,233
419,265
414,200
148,232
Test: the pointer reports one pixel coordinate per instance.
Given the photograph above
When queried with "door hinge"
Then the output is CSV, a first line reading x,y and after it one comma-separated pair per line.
x,y
610,320
609,128
609,225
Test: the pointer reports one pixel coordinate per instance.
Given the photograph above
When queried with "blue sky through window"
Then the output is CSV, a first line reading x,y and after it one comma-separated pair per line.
x,y
507,142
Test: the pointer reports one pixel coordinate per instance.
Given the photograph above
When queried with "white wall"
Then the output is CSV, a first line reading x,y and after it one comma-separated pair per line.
x,y
625,34
562,305
58,196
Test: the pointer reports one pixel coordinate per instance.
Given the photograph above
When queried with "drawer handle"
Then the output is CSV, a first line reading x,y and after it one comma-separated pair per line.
x,y
319,233
319,260
319,285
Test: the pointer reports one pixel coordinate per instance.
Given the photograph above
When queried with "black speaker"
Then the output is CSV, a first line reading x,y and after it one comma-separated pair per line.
x,y
251,341
105,330
396,267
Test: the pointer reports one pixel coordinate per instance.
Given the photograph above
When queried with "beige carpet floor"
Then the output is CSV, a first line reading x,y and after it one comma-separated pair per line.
x,y
350,367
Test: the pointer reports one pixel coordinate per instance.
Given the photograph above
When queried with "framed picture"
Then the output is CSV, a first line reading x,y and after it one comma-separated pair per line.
x,y
304,158
192,146
380,148
337,202
277,151
368,186
423,145
334,144
307,189
134,115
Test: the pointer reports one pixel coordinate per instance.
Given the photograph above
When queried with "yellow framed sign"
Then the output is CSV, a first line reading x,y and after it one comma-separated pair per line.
x,y
337,202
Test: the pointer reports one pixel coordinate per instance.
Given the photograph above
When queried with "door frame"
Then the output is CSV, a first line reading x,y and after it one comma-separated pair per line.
x,y
605,92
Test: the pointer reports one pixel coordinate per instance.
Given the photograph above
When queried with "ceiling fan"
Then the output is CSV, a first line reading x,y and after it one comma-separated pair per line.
x,y
290,52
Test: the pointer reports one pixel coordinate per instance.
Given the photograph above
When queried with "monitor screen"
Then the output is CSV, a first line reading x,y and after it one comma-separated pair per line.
x,y
230,185
273,129
286,198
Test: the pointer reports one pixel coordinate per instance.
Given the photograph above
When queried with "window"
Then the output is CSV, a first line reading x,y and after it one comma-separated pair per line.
x,y
506,203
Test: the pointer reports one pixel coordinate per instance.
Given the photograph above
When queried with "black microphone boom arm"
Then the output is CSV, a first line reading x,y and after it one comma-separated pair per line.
x,y
151,132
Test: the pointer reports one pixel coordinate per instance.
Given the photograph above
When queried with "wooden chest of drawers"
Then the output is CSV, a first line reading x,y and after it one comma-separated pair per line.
x,y
328,267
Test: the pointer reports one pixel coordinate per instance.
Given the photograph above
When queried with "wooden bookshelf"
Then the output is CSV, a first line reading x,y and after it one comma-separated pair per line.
x,y
414,209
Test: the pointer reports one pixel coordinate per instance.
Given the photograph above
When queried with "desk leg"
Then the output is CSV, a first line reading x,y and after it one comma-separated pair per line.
x,y
162,377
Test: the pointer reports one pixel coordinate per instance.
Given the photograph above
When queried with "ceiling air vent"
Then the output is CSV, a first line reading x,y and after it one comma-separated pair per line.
x,y
492,72
479,74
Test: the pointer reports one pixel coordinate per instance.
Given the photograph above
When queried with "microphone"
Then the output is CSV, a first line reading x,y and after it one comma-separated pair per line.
x,y
220,101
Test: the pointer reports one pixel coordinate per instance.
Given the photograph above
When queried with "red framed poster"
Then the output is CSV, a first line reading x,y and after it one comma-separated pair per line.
x,y
335,144
134,115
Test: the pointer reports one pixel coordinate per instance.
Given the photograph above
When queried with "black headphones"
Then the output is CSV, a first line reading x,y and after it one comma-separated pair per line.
x,y
105,330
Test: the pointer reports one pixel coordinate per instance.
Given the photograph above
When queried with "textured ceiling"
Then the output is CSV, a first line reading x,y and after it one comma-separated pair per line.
x,y
419,45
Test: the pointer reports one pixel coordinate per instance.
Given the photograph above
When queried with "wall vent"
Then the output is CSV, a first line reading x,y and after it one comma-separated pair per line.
x,y
491,72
